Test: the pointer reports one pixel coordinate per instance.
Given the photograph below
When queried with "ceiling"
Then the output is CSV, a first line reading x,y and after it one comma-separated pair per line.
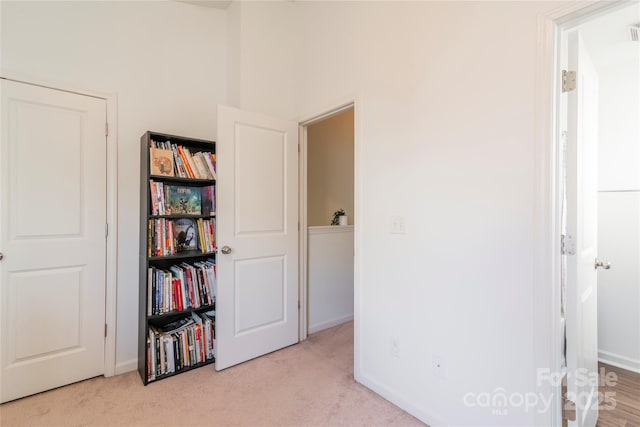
x,y
608,39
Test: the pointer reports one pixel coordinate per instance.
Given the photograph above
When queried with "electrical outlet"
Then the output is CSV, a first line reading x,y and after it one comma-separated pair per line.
x,y
439,366
394,347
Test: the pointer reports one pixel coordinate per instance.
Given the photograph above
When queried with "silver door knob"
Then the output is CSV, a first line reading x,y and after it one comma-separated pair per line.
x,y
602,264
226,250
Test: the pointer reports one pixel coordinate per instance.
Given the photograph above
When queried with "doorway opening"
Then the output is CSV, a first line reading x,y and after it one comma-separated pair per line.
x,y
594,215
327,196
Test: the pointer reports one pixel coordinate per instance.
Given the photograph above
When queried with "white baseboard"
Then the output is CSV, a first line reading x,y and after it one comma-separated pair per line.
x,y
126,366
619,361
400,401
329,324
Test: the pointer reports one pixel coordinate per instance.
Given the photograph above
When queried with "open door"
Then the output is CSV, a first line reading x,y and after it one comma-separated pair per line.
x,y
257,236
582,223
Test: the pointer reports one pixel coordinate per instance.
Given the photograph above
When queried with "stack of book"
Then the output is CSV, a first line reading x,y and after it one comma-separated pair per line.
x,y
161,237
169,159
185,342
181,287
167,237
167,199
206,231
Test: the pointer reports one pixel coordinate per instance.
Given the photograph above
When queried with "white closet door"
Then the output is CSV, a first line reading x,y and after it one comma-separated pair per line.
x,y
52,236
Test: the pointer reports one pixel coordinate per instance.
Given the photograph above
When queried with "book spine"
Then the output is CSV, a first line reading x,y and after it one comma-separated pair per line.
x,y
149,291
210,164
149,237
158,245
202,166
162,207
176,160
191,163
172,247
181,150
154,198
167,292
201,235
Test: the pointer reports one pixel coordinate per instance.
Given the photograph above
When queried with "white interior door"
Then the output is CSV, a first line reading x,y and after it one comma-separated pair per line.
x,y
52,236
582,222
257,219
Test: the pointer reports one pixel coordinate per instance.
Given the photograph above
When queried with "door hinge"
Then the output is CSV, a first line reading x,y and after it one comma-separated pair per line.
x,y
106,230
567,245
298,147
106,128
105,330
568,80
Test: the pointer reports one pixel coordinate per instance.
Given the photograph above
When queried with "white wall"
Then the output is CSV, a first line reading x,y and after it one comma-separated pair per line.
x,y
619,211
330,168
166,61
619,125
446,125
263,70
330,281
619,287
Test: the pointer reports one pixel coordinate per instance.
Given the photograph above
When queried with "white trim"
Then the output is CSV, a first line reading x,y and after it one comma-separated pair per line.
x,y
329,324
401,401
623,362
546,224
304,124
126,366
328,229
356,103
546,263
111,278
358,199
111,293
327,114
303,237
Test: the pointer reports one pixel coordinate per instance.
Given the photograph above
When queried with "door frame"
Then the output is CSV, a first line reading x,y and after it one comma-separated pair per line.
x,y
354,103
111,261
547,334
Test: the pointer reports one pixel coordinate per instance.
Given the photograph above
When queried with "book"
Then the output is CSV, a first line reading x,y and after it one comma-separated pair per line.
x,y
209,200
204,167
210,161
176,325
183,200
161,162
158,204
181,169
183,154
185,234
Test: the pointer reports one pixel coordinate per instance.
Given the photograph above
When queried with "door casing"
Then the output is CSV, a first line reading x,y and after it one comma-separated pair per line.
x,y
354,103
110,368
548,186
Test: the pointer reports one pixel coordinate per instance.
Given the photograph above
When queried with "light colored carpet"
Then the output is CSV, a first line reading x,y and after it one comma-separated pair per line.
x,y
308,384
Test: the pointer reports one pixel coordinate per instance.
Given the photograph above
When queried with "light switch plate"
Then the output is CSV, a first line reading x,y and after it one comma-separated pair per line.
x,y
398,225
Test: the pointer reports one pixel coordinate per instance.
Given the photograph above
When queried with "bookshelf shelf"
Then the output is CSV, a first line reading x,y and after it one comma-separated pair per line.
x,y
177,174
182,255
189,181
176,313
177,216
185,369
